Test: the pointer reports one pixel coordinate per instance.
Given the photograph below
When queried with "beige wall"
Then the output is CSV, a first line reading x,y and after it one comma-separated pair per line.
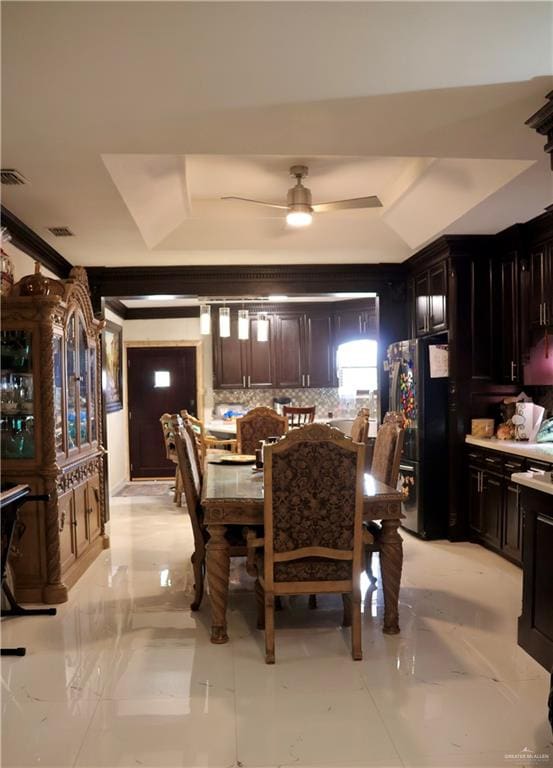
x,y
22,264
183,329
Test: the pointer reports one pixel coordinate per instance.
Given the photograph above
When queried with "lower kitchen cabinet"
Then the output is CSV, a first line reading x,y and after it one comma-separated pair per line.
x,y
535,625
79,521
494,512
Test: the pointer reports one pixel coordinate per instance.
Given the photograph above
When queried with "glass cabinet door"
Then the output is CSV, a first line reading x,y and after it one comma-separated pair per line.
x,y
92,369
58,395
84,385
17,393
71,372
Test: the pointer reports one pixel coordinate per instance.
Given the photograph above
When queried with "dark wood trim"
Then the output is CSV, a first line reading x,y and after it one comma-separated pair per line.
x,y
133,282
542,122
160,313
117,307
33,245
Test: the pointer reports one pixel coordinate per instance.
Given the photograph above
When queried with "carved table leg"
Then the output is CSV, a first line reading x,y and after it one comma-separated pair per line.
x,y
391,562
218,573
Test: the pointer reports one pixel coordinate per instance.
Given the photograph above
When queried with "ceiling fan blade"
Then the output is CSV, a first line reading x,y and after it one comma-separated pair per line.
x,y
354,202
257,202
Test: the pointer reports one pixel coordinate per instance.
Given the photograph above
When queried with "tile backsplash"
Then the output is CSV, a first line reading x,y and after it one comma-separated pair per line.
x,y
326,400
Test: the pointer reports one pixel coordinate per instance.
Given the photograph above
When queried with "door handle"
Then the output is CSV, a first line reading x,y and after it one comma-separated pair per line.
x,y
303,379
545,319
405,468
513,364
249,381
308,380
541,313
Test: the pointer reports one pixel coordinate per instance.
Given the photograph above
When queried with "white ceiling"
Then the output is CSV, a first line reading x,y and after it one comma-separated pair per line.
x,y
131,120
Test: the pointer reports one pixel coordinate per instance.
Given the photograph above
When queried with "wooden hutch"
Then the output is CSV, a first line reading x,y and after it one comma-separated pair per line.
x,y
51,430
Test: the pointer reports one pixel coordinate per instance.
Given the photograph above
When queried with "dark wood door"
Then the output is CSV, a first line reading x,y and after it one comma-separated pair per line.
x,y
548,284
506,311
319,351
422,311
289,345
481,318
511,538
160,380
437,282
260,368
492,508
229,358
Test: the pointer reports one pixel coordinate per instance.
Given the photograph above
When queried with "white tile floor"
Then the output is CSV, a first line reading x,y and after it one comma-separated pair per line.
x,y
125,675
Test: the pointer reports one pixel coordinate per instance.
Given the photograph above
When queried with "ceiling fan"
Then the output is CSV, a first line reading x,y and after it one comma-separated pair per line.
x,y
298,202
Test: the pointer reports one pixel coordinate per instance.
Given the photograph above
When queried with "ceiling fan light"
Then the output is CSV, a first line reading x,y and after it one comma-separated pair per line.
x,y
243,324
298,218
205,320
224,322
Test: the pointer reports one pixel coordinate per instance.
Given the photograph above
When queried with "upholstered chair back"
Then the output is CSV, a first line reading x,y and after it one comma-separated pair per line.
x,y
313,499
387,453
170,423
258,424
191,479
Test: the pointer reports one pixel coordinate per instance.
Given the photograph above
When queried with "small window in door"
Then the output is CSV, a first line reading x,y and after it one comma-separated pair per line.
x,y
162,379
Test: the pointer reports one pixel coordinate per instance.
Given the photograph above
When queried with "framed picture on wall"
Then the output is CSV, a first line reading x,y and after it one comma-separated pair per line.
x,y
112,364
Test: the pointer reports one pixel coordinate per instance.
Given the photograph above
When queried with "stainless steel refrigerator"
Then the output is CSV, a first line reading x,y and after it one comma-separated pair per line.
x,y
422,401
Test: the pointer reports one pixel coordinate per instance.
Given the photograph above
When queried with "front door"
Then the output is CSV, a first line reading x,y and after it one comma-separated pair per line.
x,y
160,380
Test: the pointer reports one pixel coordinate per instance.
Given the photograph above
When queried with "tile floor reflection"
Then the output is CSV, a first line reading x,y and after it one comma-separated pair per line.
x,y
125,675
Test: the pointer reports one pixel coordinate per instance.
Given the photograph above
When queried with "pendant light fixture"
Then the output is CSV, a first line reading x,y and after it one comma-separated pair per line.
x,y
243,324
224,322
262,327
205,319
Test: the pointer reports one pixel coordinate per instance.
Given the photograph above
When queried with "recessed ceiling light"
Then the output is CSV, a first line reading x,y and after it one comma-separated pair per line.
x,y
278,298
161,297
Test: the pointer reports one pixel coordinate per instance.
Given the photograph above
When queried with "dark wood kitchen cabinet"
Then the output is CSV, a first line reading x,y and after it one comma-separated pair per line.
x,y
351,324
540,288
535,625
241,364
304,350
481,317
430,292
505,317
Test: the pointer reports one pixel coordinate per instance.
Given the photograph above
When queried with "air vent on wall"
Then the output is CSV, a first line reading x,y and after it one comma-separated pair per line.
x,y
61,231
12,177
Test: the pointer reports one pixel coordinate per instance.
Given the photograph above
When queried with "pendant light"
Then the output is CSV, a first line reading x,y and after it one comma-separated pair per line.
x,y
262,327
243,324
205,320
224,322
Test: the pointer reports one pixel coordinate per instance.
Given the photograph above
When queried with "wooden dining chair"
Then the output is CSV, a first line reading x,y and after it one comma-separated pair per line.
x,y
170,424
385,468
299,416
360,427
258,424
312,539
192,485
204,440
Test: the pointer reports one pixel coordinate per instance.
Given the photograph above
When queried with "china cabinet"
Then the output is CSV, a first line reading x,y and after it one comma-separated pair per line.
x,y
51,430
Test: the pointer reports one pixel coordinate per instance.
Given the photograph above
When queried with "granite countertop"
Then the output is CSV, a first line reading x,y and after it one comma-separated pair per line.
x,y
532,480
538,451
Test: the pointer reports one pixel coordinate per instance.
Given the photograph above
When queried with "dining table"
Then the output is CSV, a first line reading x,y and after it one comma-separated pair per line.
x,y
233,495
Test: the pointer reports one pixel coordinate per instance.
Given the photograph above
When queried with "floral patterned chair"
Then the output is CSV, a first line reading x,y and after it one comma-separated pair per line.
x,y
258,424
385,467
185,446
313,525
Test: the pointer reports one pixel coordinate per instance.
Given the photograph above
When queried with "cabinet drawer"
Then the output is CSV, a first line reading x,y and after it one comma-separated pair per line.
x,y
513,464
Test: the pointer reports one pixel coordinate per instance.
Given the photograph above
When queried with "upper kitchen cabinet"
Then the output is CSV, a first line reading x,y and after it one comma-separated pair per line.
x,y
319,351
229,359
430,294
304,349
481,316
243,364
540,285
351,323
506,312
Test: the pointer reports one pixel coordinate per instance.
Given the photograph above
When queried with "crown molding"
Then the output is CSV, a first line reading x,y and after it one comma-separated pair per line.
x,y
33,245
542,122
